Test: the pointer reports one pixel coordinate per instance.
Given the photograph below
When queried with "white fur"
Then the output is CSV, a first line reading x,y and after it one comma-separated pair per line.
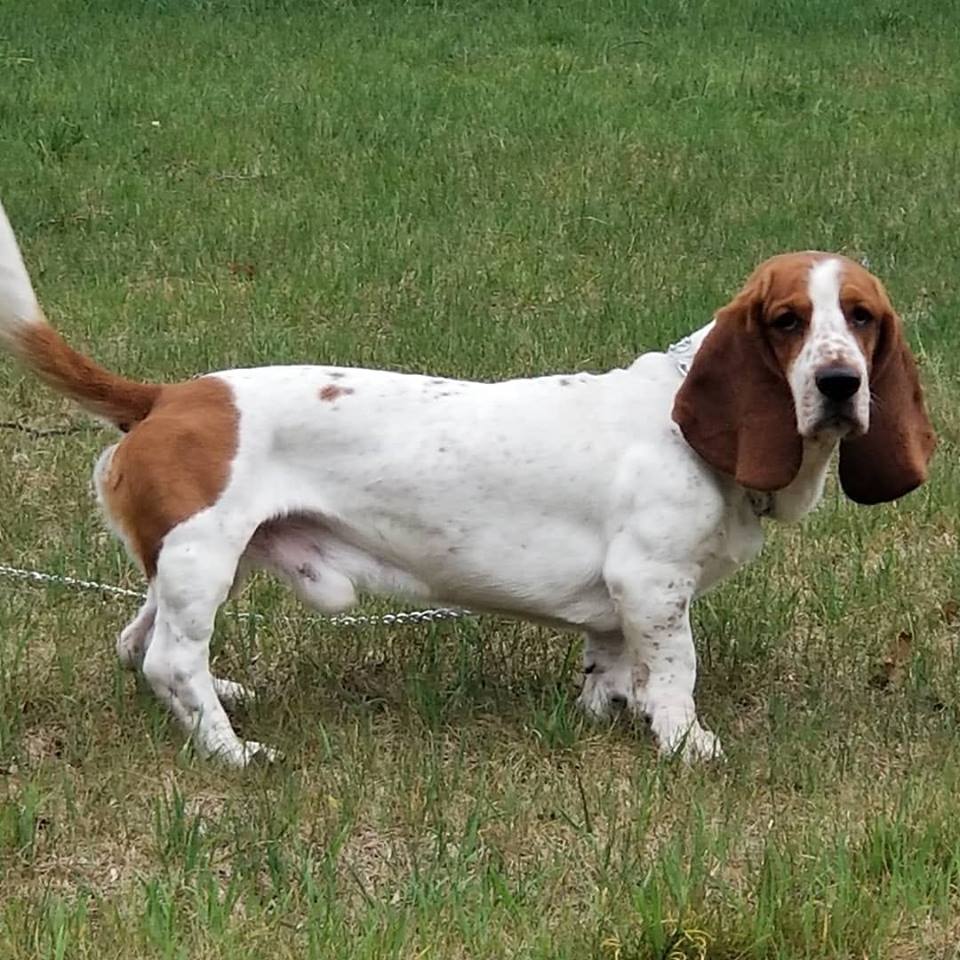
x,y
18,303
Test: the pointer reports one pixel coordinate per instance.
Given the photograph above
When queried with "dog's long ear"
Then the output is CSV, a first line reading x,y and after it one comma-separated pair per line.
x,y
735,407
890,459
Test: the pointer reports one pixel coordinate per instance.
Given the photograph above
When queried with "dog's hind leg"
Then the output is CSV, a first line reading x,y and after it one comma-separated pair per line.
x,y
134,641
613,676
135,637
195,572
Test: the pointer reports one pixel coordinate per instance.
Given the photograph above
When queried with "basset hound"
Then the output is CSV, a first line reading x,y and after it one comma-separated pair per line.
x,y
597,503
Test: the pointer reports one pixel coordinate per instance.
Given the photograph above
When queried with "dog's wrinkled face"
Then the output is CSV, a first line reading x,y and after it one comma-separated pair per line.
x,y
809,349
822,317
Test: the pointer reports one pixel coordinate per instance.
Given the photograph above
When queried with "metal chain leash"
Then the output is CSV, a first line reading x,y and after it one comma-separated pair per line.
x,y
36,576
400,618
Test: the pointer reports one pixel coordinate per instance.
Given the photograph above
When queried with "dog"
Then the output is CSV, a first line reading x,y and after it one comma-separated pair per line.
x,y
602,503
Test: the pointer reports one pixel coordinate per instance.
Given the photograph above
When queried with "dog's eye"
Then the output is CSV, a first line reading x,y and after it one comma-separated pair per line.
x,y
860,317
787,321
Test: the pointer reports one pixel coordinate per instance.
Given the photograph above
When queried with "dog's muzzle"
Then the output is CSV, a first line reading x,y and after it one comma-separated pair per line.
x,y
838,387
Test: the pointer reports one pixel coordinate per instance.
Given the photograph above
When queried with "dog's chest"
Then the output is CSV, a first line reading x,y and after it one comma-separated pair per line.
x,y
735,541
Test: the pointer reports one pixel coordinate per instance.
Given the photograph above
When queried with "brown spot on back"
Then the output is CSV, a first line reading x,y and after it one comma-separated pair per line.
x,y
172,465
332,392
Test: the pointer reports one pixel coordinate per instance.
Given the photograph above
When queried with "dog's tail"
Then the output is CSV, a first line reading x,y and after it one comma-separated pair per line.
x,y
25,332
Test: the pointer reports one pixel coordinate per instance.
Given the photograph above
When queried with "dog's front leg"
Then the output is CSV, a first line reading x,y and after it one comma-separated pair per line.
x,y
654,603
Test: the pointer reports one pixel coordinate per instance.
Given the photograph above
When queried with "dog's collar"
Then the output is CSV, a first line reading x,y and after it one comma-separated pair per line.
x,y
761,502
682,353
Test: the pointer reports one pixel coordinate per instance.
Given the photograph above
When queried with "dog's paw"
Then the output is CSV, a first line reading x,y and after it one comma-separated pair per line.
x,y
260,753
594,700
700,745
245,752
233,694
131,646
691,743
605,694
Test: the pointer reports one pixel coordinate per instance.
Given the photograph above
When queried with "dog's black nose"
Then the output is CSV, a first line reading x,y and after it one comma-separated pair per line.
x,y
838,383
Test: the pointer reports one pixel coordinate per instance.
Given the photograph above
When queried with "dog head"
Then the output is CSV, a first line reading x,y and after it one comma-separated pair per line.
x,y
810,348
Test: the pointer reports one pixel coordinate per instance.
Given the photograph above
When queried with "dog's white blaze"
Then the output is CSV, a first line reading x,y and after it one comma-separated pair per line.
x,y
824,289
829,342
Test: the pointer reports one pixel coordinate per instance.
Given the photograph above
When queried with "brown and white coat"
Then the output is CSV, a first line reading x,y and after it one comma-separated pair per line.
x,y
603,504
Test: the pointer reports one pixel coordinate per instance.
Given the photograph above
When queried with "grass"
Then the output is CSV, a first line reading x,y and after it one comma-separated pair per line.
x,y
484,190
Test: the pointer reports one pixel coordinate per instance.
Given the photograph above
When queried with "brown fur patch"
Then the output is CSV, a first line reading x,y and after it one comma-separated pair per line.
x,y
117,399
172,465
332,392
735,407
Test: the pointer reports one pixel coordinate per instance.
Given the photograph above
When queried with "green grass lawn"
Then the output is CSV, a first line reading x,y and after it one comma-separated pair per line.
x,y
480,190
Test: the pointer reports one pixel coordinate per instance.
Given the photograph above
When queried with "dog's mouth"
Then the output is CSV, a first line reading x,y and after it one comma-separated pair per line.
x,y
836,422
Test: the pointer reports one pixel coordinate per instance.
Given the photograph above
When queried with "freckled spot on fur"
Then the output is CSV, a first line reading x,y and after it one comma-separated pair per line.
x,y
437,383
441,449
337,375
332,392
564,381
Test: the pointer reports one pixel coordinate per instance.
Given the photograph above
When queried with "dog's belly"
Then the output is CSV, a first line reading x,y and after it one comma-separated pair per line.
x,y
327,570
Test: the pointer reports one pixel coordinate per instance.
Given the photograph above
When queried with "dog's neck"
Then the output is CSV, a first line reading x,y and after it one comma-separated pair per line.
x,y
803,493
